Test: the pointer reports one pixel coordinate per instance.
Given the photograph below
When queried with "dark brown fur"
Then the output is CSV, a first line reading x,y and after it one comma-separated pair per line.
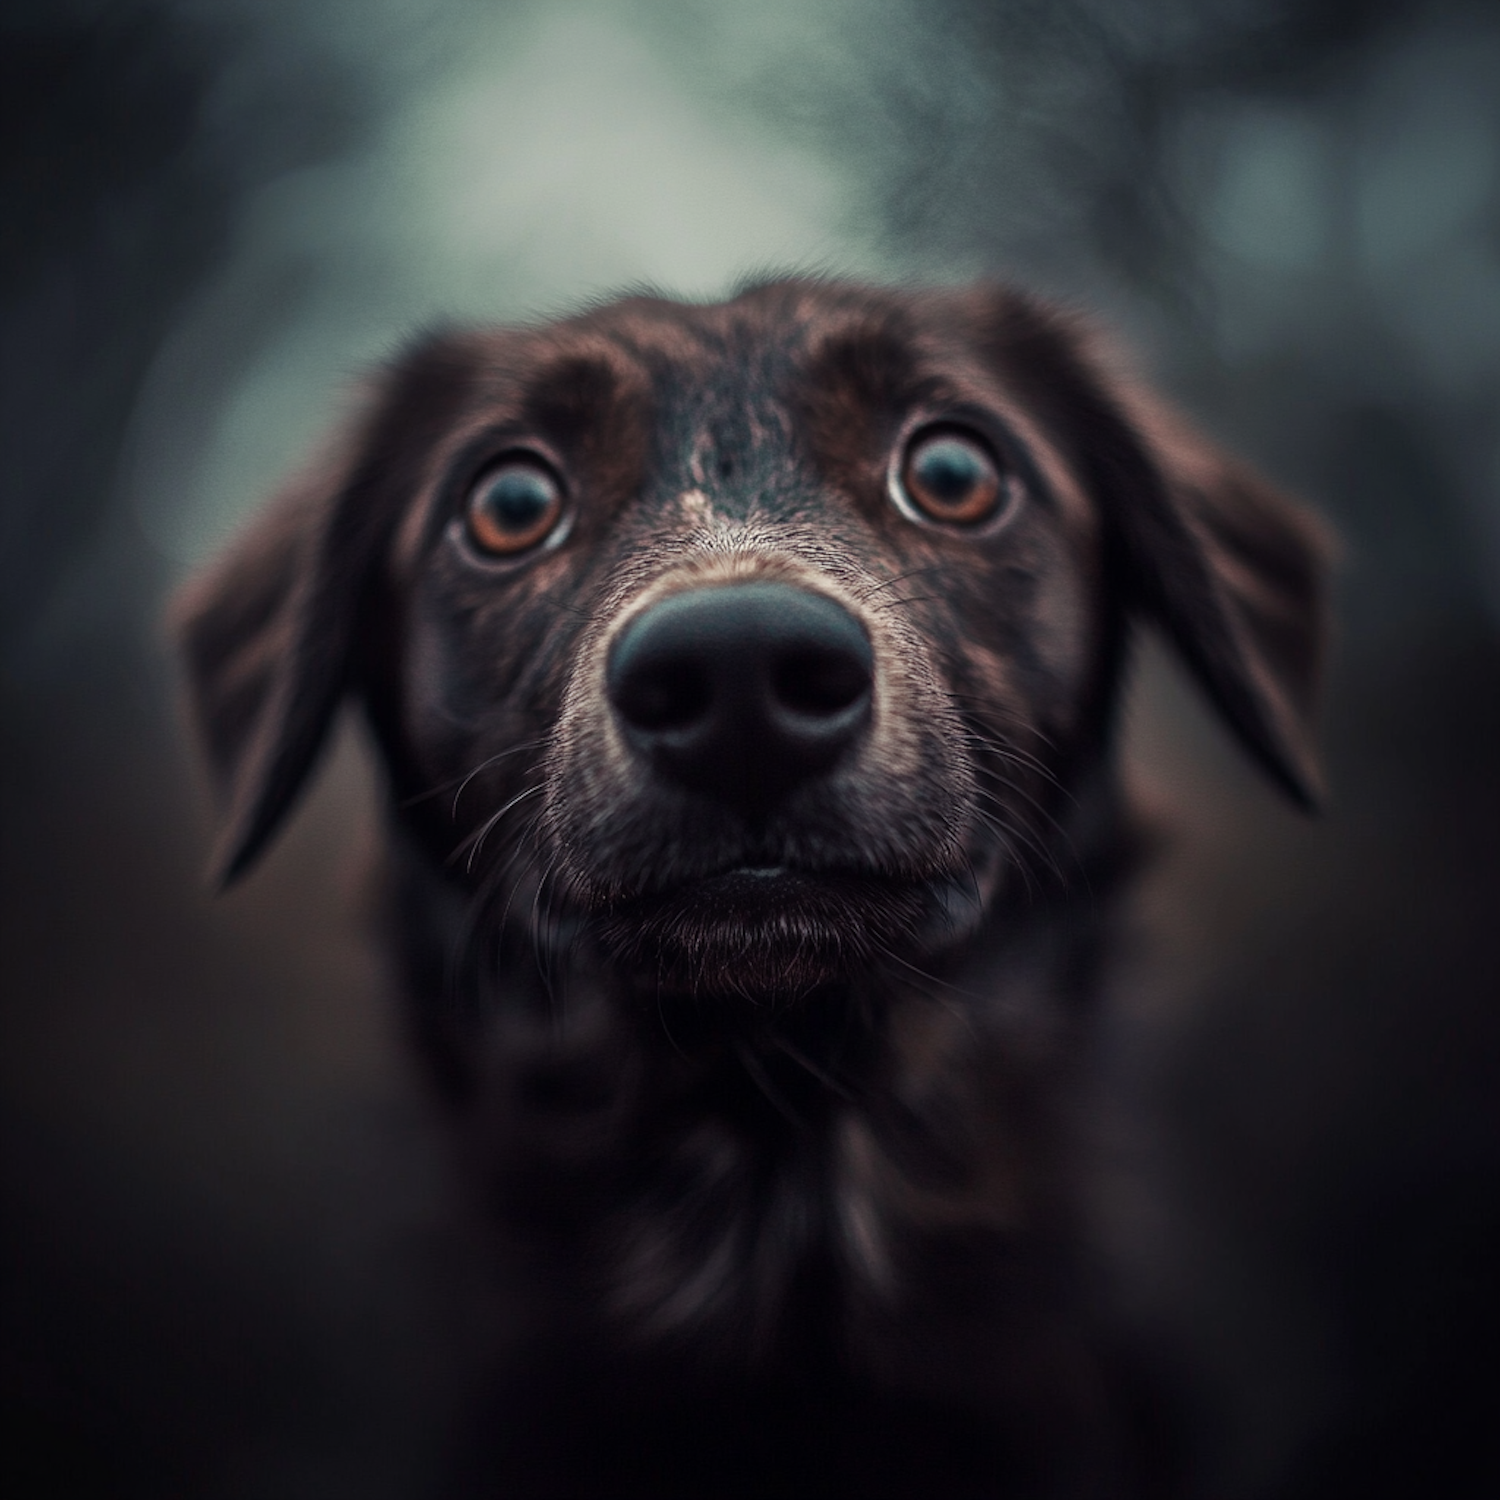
x,y
795,1164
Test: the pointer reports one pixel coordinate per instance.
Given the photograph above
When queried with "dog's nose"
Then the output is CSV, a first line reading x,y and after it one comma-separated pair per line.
x,y
742,691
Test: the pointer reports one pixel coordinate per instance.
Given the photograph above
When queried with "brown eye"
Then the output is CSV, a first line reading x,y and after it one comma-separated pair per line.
x,y
951,476
514,506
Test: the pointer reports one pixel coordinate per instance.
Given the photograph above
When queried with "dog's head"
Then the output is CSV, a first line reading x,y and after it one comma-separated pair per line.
x,y
764,637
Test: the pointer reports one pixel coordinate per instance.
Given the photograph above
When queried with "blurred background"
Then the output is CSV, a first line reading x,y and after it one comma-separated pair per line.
x,y
235,1259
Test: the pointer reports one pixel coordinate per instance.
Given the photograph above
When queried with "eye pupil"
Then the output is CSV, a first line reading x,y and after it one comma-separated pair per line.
x,y
518,499
952,477
513,507
948,470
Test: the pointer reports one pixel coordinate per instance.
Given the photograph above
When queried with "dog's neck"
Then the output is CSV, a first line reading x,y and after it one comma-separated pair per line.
x,y
839,1141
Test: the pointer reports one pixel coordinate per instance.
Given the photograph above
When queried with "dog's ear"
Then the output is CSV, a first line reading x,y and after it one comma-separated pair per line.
x,y
270,631
1235,574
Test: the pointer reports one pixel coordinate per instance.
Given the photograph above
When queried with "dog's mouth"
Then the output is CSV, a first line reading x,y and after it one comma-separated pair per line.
x,y
766,933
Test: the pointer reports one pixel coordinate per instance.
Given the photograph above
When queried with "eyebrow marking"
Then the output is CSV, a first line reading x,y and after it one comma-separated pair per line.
x,y
696,506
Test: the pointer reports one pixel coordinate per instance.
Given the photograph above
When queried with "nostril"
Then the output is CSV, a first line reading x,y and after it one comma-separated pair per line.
x,y
819,683
665,694
742,691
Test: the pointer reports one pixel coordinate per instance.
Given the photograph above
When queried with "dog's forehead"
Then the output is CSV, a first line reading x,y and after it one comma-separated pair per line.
x,y
728,371
730,398
721,406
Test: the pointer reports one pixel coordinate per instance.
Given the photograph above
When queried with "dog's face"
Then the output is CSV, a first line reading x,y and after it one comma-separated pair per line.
x,y
786,606
773,639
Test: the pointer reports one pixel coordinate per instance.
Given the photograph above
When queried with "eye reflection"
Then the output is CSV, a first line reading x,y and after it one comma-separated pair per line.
x,y
950,476
513,506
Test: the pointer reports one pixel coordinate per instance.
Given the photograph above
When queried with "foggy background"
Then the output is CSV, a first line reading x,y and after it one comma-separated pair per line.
x,y
235,1261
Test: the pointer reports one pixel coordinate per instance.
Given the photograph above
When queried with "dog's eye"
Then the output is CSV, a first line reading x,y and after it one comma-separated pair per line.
x,y
513,506
950,476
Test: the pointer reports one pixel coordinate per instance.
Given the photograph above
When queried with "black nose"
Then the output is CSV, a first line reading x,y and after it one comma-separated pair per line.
x,y
742,691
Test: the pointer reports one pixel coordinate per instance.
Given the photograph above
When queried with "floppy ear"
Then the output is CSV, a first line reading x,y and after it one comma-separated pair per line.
x,y
1235,574
270,632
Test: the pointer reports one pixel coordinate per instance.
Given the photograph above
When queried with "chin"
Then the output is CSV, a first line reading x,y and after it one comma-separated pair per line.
x,y
772,937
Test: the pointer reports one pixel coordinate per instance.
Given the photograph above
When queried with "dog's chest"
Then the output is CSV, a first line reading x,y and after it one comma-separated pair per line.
x,y
837,1182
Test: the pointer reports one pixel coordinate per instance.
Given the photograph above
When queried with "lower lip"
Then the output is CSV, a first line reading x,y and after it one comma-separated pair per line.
x,y
747,892
750,893
756,877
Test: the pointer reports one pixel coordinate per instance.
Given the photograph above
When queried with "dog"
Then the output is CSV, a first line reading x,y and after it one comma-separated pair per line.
x,y
745,679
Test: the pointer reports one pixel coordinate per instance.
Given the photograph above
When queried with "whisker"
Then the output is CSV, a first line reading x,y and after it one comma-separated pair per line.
x,y
988,706
870,593
464,948
993,780
988,795
1001,744
531,852
954,1000
994,818
821,1074
905,601
475,841
762,1081
462,781
1004,750
540,914
661,1014
484,765
927,978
